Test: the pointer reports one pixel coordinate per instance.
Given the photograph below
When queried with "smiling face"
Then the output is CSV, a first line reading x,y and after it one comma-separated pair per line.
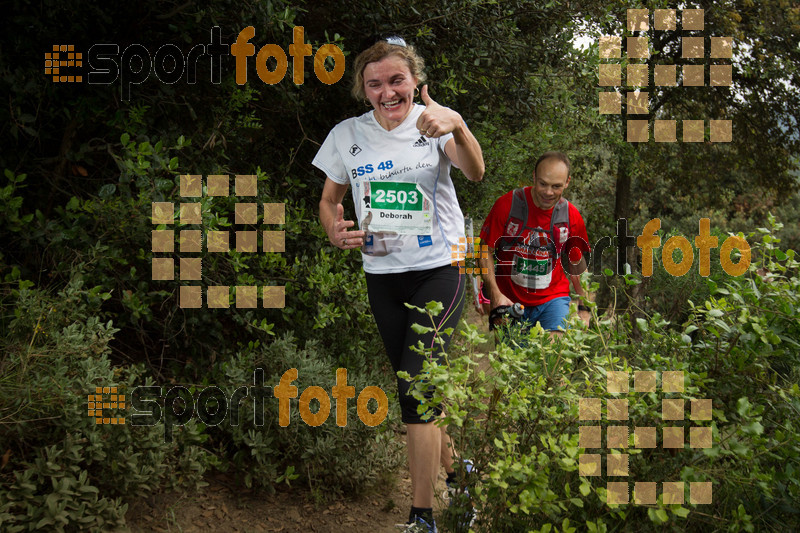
x,y
389,87
550,179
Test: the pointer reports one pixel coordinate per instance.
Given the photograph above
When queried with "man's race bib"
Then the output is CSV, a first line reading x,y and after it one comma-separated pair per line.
x,y
532,269
396,207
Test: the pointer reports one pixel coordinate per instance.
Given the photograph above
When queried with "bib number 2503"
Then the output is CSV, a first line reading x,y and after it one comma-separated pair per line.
x,y
396,197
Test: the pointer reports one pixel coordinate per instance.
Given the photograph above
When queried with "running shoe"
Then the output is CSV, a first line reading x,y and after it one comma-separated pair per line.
x,y
460,496
418,526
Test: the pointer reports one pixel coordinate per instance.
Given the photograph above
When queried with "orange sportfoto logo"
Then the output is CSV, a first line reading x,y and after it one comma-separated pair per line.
x,y
135,65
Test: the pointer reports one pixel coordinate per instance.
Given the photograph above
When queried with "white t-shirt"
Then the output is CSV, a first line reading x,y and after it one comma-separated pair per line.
x,y
359,149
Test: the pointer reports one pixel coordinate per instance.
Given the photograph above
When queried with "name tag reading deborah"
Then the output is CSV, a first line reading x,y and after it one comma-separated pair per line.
x,y
397,207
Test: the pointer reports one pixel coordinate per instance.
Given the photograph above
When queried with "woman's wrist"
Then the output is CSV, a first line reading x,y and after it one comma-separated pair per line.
x,y
460,130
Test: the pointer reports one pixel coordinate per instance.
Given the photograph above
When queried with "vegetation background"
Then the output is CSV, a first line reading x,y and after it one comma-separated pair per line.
x,y
81,168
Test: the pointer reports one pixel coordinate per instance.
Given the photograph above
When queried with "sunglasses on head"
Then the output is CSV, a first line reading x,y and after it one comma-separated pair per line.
x,y
391,38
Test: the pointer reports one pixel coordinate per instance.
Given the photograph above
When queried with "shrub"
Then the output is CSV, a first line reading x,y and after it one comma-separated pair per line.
x,y
329,459
67,472
515,413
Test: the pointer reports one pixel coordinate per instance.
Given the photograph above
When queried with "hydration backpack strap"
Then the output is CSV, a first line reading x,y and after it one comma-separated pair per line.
x,y
559,219
560,214
518,214
519,206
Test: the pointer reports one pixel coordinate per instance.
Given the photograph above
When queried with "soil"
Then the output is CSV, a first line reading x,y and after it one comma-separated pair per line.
x,y
225,505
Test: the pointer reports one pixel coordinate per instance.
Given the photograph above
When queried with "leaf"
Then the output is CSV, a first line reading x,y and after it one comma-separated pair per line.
x,y
738,448
753,428
742,406
420,330
51,502
662,515
78,170
45,522
683,512
124,138
107,190
434,308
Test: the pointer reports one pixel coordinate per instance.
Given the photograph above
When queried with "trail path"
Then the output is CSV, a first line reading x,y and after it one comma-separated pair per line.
x,y
227,506
223,506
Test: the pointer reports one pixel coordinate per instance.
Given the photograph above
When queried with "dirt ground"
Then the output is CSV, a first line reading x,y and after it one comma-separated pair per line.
x,y
227,506
223,506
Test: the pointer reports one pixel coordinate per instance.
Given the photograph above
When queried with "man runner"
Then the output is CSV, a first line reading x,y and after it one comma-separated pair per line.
x,y
532,236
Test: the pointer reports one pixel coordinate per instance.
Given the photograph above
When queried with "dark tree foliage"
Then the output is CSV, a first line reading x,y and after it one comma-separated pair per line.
x,y
763,104
66,137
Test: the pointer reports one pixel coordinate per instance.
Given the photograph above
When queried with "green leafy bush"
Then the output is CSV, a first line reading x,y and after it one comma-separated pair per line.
x,y
66,472
331,460
514,412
